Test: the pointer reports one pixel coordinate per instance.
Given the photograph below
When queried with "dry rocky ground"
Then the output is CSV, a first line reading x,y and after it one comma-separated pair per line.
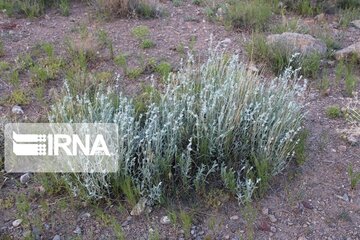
x,y
311,201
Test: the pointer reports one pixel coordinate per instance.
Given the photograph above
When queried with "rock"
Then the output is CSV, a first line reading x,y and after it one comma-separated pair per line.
x,y
139,207
17,110
57,237
273,229
85,215
348,52
307,205
227,237
226,41
264,226
36,233
77,230
17,222
25,178
165,220
272,218
320,17
252,68
265,211
355,24
352,139
346,198
298,43
235,217
302,238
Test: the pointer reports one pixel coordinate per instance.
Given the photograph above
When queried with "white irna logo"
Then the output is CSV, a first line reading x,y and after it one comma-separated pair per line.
x,y
58,144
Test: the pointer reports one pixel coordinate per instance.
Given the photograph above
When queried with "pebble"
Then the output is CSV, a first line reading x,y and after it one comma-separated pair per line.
x,y
139,207
265,211
235,217
17,222
272,218
352,139
165,220
25,178
302,238
273,229
342,148
77,230
57,237
17,110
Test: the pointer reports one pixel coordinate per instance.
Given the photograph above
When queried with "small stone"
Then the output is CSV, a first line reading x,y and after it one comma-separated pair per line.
x,y
346,198
302,238
265,211
307,205
352,139
320,17
85,215
57,237
226,41
273,229
235,217
264,226
139,207
355,24
77,230
165,220
17,110
192,232
17,222
201,233
272,218
342,148
25,178
227,237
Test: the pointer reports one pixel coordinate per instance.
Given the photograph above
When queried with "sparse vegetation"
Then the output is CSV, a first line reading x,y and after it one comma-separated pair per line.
x,y
354,177
251,14
333,111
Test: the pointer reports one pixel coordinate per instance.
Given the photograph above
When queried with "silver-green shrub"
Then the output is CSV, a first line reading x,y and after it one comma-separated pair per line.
x,y
212,122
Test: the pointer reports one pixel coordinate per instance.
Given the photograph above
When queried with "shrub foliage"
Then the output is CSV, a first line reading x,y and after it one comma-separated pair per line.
x,y
212,122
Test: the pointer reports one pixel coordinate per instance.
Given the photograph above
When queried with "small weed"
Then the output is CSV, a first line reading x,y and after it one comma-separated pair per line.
x,y
39,92
346,4
18,97
129,191
164,69
64,6
348,15
333,111
120,60
14,78
134,73
249,214
24,62
340,71
2,50
148,11
177,3
324,83
300,148
48,48
147,43
140,32
4,66
253,14
350,81
289,26
154,235
119,233
186,221
106,42
344,216
310,65
354,177
22,205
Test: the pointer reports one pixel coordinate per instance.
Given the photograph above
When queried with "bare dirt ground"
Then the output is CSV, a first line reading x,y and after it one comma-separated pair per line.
x,y
313,201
